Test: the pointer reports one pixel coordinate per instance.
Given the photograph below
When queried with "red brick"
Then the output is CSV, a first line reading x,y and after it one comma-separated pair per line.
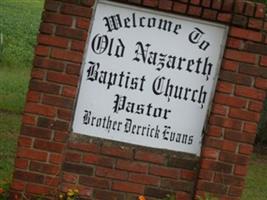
x,y
44,168
229,145
46,28
233,158
255,106
240,56
98,160
212,187
213,142
235,43
228,5
61,136
48,64
51,5
240,170
128,187
111,173
62,78
250,93
49,146
132,166
229,179
211,153
149,157
225,87
179,7
230,65
58,101
72,33
209,14
57,18
77,45
245,34
94,182
73,157
82,23
250,127
28,119
24,141
78,169
21,163
194,10
107,195
73,69
225,122
249,9
72,56
165,4
117,151
69,91
239,136
44,87
70,9
176,185
244,115
195,2
224,17
55,158
188,175
33,96
206,3
260,10
53,41
64,114
216,4
246,149
214,131
255,23
18,185
70,178
144,179
37,74
37,189
36,132
230,100
42,50
261,83
28,176
52,181
87,147
235,191
239,6
150,3
263,61
32,154
205,174
219,109
40,109
164,171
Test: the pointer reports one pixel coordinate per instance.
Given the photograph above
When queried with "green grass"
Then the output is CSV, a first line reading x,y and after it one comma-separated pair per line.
x,y
19,22
256,181
13,87
9,129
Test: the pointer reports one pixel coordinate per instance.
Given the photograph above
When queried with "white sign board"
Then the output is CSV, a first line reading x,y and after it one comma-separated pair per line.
x,y
148,77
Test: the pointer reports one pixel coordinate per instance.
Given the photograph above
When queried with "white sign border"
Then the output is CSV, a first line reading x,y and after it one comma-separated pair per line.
x,y
166,14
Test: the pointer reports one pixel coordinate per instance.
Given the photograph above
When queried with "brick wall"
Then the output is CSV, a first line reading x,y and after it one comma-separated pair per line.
x,y
51,159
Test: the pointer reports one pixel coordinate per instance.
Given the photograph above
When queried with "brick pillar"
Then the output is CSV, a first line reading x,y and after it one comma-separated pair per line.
x,y
51,159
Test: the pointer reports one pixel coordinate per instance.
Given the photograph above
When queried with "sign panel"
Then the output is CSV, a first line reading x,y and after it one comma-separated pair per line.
x,y
148,77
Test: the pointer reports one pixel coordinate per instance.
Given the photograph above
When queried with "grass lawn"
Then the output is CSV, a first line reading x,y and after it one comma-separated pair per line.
x,y
256,181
